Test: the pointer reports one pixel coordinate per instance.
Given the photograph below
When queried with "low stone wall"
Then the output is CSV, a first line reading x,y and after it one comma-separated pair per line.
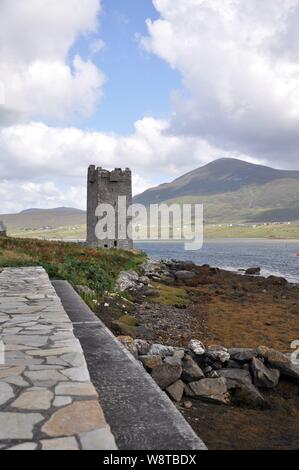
x,y
47,400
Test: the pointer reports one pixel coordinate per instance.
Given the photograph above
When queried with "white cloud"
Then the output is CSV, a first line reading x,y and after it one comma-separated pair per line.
x,y
39,77
35,155
239,64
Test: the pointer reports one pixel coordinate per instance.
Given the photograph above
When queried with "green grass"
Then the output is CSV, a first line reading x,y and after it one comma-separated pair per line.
x,y
169,295
281,231
96,268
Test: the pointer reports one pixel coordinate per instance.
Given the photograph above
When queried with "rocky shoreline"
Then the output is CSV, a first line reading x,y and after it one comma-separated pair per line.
x,y
212,340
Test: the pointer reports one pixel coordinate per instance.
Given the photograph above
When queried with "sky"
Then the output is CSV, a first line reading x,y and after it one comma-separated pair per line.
x,y
160,86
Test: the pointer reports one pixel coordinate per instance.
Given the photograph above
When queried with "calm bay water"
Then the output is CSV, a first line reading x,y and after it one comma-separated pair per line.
x,y
277,257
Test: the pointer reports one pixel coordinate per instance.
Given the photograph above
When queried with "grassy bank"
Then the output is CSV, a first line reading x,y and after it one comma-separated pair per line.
x,y
274,231
94,268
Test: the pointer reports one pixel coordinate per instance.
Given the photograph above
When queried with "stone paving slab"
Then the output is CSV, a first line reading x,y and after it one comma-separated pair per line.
x,y
47,400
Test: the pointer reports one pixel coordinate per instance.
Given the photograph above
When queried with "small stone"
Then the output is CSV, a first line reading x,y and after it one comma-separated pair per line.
x,y
176,390
45,377
34,400
197,347
142,346
242,354
79,417
63,443
173,360
100,439
7,371
188,405
128,343
253,271
78,374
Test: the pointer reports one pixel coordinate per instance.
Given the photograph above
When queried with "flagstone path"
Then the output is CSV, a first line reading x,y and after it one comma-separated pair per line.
x,y
47,400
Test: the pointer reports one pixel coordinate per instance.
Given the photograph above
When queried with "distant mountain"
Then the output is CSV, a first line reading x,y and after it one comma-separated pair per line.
x,y
44,218
233,191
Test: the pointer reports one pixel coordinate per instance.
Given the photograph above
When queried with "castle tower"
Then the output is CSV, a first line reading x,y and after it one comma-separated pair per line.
x,y
105,187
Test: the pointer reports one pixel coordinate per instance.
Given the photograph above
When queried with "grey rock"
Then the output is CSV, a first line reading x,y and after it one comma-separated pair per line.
x,y
263,376
176,390
18,425
150,361
235,377
161,350
126,280
214,390
253,271
166,374
242,354
142,346
197,347
279,361
218,353
184,275
191,370
173,360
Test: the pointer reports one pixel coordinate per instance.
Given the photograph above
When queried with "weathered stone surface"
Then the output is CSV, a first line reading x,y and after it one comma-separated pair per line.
x,y
81,416
218,353
100,439
128,343
78,374
76,389
166,374
150,362
242,354
142,346
173,360
62,443
45,377
161,350
197,347
235,377
24,446
62,401
6,393
214,390
191,371
6,371
34,400
279,361
176,390
263,376
126,280
18,425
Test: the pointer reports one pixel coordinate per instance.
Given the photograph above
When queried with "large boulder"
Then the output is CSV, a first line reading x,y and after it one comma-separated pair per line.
x,y
218,353
279,361
166,374
242,354
214,390
197,347
176,390
191,371
263,376
235,377
126,280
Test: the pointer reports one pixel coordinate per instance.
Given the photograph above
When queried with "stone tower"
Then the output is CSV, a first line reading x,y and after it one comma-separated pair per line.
x,y
105,187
